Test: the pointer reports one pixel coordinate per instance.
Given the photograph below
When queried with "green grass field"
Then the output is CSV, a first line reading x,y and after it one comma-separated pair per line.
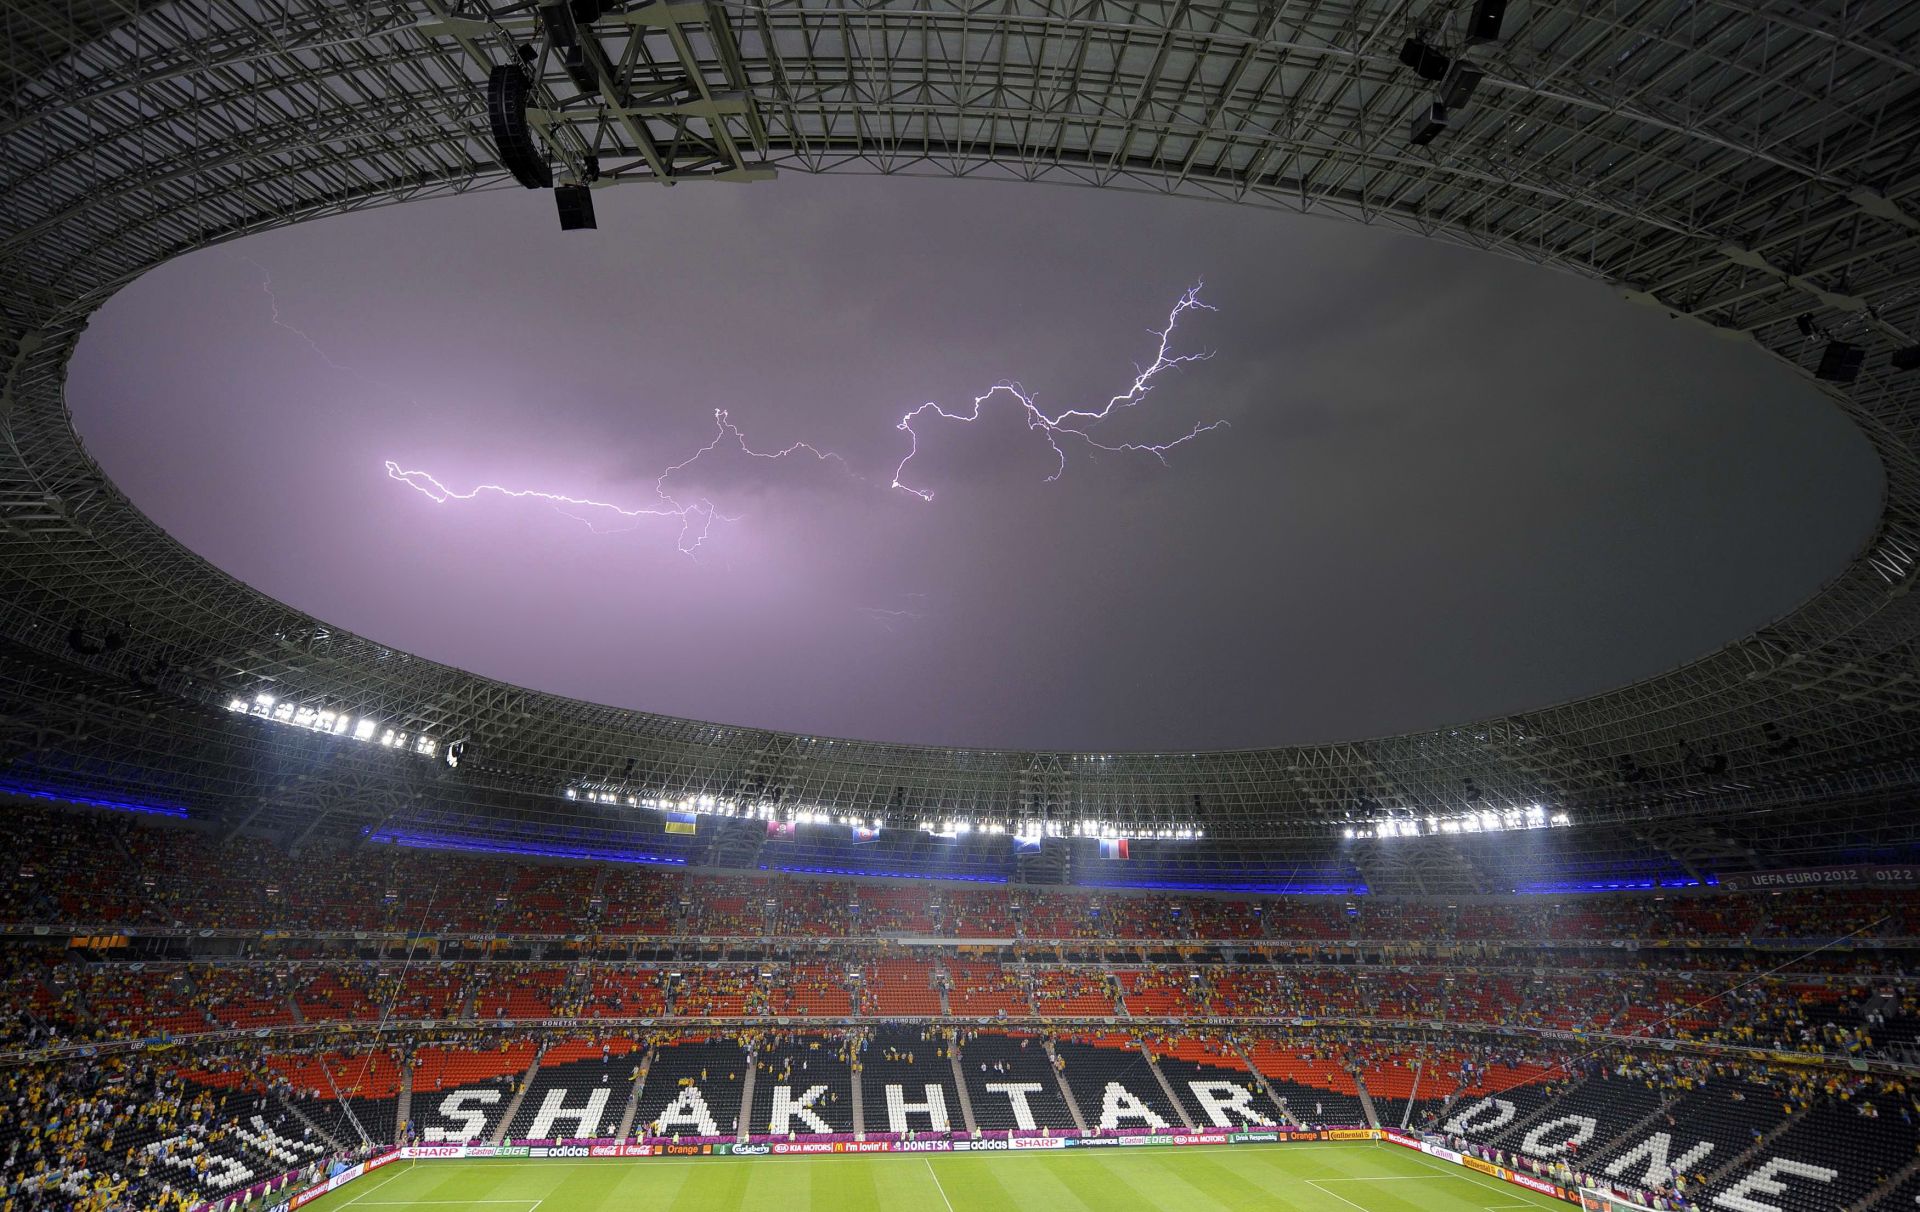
x,y
1318,1177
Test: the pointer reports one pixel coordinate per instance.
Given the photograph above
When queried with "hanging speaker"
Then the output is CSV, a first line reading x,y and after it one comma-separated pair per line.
x,y
1426,62
512,137
1840,362
1483,20
1428,123
575,203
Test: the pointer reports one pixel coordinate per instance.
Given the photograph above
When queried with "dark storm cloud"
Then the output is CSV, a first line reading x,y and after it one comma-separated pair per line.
x,y
1453,485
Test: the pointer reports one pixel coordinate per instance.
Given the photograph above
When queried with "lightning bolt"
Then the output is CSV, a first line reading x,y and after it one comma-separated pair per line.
x,y
696,515
1076,422
273,302
891,618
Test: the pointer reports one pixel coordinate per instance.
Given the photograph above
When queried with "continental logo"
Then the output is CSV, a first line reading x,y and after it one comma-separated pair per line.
x,y
1474,1163
1351,1134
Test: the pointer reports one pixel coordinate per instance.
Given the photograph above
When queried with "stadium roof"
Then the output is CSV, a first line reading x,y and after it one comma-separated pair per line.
x,y
1745,170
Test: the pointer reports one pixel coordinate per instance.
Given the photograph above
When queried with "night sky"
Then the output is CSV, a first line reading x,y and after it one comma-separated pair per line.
x,y
1452,485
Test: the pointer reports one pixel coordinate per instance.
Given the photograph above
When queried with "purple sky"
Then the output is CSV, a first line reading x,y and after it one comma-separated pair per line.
x,y
1453,485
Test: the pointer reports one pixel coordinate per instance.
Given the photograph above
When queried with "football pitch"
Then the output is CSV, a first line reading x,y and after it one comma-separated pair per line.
x,y
1318,1177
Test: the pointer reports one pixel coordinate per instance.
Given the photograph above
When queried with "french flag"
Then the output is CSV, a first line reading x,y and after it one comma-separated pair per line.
x,y
1113,847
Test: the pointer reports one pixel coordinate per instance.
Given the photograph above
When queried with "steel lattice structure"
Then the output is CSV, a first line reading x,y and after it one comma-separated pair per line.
x,y
1737,163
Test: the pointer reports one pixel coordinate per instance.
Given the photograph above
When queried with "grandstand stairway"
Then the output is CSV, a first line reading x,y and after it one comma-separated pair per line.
x,y
632,1108
960,1081
1626,1140
746,1098
403,1102
1066,1092
1286,1114
1366,1100
1509,1138
1737,1163
1413,1097
519,1096
1166,1087
859,1104
1901,1190
294,1110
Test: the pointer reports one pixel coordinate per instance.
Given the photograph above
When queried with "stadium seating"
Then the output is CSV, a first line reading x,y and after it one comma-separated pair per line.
x,y
693,1089
1742,1064
580,1091
1215,1085
1114,1085
801,1079
907,1083
1011,1084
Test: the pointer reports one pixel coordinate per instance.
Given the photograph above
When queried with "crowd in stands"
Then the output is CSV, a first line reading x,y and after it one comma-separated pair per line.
x,y
243,1011
165,874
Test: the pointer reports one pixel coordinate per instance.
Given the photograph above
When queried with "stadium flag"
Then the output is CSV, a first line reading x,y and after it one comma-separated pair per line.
x,y
682,822
863,834
1113,847
780,828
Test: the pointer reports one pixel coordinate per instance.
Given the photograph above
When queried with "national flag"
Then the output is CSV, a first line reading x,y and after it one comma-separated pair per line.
x,y
863,834
682,822
1113,847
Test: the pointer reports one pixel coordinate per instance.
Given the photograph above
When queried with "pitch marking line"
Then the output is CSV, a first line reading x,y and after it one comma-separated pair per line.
x,y
931,1173
375,1187
1315,1184
1472,1176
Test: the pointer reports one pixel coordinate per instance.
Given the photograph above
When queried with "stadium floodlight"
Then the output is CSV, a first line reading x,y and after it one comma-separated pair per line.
x,y
329,721
1518,818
